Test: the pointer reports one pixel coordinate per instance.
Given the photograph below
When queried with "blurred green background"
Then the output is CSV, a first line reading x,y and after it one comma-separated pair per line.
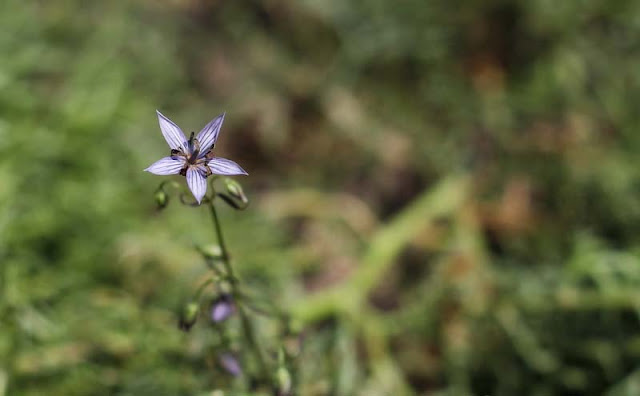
x,y
445,195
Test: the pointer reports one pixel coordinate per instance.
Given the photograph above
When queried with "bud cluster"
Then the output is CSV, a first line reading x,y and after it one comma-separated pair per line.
x,y
239,351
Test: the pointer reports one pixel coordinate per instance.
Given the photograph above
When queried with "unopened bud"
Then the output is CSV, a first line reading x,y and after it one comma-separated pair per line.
x,y
222,308
213,252
235,190
284,381
188,316
161,198
230,363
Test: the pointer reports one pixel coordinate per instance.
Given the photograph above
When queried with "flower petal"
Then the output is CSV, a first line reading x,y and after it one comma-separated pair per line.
x,y
223,166
172,133
209,134
197,183
166,166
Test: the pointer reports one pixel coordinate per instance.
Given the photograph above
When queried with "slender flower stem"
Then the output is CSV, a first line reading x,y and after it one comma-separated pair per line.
x,y
237,295
223,246
201,289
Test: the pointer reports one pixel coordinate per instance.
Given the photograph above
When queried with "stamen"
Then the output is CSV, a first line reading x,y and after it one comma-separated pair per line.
x,y
183,171
209,155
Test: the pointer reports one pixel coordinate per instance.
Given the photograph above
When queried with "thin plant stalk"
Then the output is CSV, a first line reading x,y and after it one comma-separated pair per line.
x,y
237,295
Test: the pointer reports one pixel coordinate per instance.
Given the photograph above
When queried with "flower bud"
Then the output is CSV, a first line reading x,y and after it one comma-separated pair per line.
x,y
213,252
222,308
235,190
188,316
284,382
230,363
161,198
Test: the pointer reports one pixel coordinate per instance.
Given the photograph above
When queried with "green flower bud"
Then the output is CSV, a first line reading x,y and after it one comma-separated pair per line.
x,y
188,316
161,198
212,251
235,190
283,378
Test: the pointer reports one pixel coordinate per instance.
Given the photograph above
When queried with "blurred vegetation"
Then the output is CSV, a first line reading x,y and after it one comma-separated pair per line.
x,y
445,195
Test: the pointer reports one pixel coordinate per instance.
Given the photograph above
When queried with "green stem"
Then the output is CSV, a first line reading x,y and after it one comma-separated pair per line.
x,y
223,246
247,329
198,293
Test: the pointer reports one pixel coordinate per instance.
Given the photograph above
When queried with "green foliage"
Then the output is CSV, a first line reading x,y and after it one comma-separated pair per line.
x,y
444,196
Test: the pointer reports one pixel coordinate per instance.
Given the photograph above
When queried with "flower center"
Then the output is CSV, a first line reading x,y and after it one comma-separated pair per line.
x,y
194,149
192,157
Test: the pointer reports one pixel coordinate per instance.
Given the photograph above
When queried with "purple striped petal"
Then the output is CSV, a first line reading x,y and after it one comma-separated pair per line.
x,y
197,183
166,166
209,134
172,133
223,166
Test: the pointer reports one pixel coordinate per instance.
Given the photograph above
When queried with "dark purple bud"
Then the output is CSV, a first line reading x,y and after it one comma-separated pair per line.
x,y
188,316
230,363
222,308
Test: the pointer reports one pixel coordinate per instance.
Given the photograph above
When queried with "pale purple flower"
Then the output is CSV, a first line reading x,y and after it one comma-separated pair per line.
x,y
193,158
